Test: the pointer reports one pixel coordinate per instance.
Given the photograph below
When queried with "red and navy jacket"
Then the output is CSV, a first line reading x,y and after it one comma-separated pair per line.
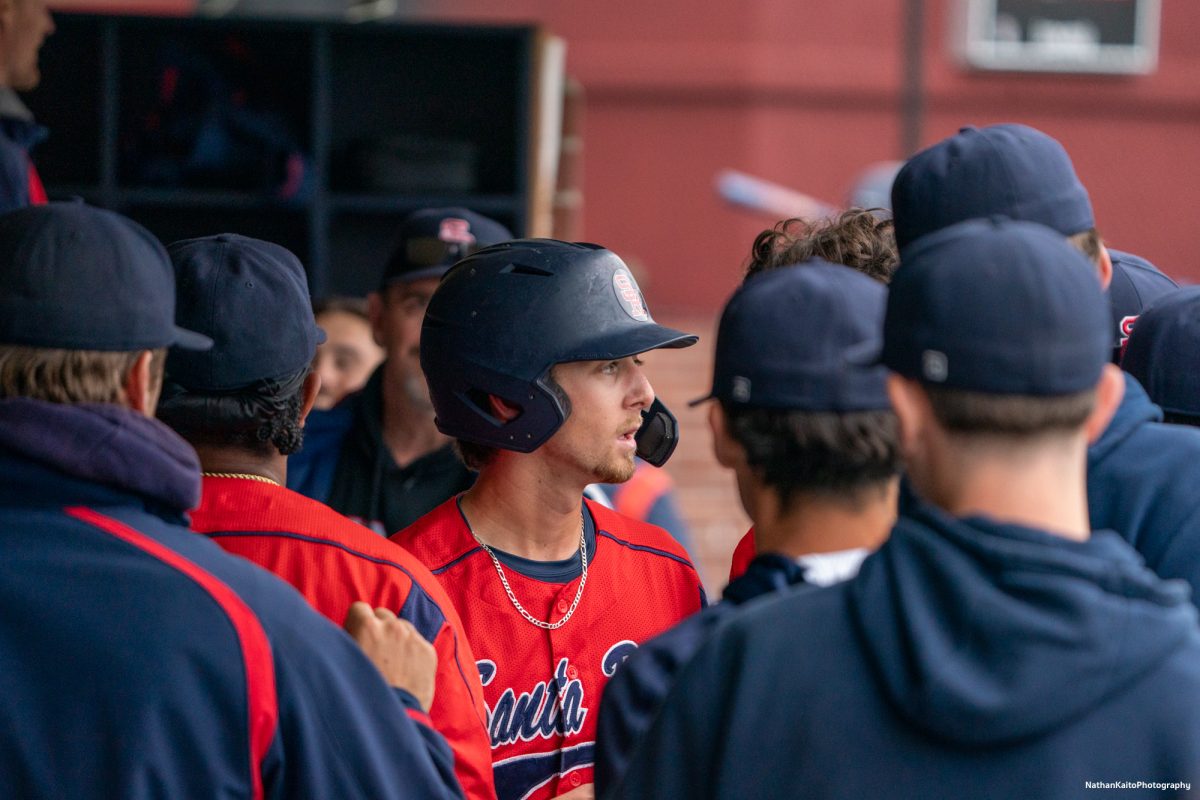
x,y
543,687
333,562
139,660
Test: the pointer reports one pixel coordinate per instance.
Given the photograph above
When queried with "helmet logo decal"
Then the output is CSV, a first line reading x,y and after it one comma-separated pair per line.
x,y
456,231
630,296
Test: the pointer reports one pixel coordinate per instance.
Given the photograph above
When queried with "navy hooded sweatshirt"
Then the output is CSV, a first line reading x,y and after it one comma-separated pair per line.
x,y
1144,483
139,660
642,682
967,659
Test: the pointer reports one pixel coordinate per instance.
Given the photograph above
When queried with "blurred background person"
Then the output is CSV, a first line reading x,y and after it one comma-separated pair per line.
x,y
24,25
349,354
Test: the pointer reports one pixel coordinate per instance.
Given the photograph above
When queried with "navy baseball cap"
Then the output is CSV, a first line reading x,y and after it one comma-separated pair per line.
x,y
997,306
786,337
73,277
1011,170
433,239
251,297
1164,351
1136,283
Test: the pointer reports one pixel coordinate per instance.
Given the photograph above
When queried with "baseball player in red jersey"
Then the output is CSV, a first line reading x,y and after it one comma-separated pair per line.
x,y
531,350
242,405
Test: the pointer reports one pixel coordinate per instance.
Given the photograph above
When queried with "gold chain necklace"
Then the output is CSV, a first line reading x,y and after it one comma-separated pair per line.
x,y
550,626
243,475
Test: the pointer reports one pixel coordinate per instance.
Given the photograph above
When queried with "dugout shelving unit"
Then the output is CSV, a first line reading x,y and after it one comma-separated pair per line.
x,y
468,90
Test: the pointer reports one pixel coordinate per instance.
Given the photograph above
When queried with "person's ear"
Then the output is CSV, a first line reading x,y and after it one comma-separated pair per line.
x,y
502,409
375,316
1110,390
141,393
1105,268
728,452
911,406
312,388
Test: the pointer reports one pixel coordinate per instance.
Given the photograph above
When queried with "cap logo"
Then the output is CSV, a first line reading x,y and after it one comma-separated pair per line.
x,y
630,296
740,389
456,231
1127,327
934,366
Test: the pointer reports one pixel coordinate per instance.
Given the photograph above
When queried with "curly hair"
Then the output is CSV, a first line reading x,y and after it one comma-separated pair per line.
x,y
855,238
258,418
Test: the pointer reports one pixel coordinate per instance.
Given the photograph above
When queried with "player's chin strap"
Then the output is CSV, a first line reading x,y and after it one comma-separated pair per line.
x,y
659,434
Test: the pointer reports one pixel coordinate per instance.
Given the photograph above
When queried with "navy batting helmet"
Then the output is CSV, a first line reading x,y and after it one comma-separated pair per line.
x,y
502,317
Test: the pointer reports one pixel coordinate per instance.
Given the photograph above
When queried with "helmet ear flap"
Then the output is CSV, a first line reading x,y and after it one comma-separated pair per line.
x,y
468,414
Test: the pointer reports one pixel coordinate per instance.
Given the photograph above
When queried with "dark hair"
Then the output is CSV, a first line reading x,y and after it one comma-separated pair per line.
x,y
474,456
855,238
348,305
258,418
966,412
839,456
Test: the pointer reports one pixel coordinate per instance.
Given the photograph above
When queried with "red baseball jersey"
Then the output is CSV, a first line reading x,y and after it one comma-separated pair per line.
x,y
743,554
334,562
543,687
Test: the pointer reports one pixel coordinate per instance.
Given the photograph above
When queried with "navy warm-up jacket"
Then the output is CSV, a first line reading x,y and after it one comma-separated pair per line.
x,y
1142,482
139,660
636,692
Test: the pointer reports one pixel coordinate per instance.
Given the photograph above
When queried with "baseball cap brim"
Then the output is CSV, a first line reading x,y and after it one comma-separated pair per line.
x,y
865,354
190,340
418,274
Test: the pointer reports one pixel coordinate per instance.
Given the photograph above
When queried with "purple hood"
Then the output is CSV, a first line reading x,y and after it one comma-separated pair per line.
x,y
105,444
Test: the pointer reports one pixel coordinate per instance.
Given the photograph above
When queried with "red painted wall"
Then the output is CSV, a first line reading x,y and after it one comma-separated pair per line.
x,y
807,93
